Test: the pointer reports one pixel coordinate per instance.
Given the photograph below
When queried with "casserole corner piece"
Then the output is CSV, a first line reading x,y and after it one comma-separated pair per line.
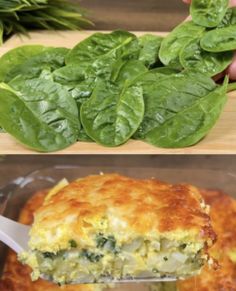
x,y
112,226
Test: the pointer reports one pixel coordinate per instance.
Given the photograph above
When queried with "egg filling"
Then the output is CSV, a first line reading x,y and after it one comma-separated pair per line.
x,y
139,258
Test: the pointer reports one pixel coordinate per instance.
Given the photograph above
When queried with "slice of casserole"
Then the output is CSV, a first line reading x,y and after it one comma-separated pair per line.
x,y
16,277
109,225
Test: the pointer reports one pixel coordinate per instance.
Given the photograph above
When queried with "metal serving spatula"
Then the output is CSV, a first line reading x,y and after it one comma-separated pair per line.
x,y
16,236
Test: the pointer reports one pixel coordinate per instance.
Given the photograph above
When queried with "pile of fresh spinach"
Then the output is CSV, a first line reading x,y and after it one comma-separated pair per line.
x,y
206,43
115,86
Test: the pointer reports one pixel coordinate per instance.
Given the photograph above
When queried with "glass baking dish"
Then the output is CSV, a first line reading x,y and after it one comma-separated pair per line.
x,y
14,195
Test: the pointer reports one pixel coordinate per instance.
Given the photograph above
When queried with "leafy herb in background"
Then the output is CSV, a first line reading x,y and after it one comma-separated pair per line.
x,y
21,16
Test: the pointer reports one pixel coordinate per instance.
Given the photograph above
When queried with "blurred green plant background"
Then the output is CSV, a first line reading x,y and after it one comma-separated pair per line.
x,y
23,15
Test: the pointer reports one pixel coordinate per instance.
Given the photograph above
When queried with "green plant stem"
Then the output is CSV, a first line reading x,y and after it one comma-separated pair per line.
x,y
231,87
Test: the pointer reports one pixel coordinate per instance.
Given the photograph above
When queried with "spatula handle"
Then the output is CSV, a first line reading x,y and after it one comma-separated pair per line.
x,y
13,234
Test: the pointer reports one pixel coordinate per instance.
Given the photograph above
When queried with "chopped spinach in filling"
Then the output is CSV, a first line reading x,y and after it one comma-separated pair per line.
x,y
109,258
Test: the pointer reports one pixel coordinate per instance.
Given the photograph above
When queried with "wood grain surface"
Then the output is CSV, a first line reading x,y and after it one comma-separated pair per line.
x,y
221,139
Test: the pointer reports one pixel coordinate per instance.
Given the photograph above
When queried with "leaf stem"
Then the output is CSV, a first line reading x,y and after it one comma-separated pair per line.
x,y
231,87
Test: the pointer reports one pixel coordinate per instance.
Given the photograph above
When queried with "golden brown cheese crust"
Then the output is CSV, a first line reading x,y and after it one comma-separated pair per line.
x,y
145,206
223,216
16,276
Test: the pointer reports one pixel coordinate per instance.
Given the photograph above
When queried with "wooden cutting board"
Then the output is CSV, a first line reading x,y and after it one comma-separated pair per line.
x,y
221,139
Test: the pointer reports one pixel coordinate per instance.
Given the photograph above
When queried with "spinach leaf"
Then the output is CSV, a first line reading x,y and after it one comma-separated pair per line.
x,y
39,113
128,72
192,56
110,117
173,43
166,100
149,49
208,13
102,53
80,82
71,75
50,59
229,18
73,243
192,123
77,79
155,75
18,56
117,44
114,111
92,257
106,242
220,40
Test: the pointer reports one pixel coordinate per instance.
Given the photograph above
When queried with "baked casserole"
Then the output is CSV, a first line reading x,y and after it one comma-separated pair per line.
x,y
16,277
112,226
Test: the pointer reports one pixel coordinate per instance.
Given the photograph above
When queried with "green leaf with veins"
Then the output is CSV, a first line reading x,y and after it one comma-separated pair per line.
x,y
80,82
192,56
149,49
71,75
155,75
114,111
174,42
50,59
229,18
117,44
110,116
77,79
40,114
220,40
181,109
208,13
18,56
